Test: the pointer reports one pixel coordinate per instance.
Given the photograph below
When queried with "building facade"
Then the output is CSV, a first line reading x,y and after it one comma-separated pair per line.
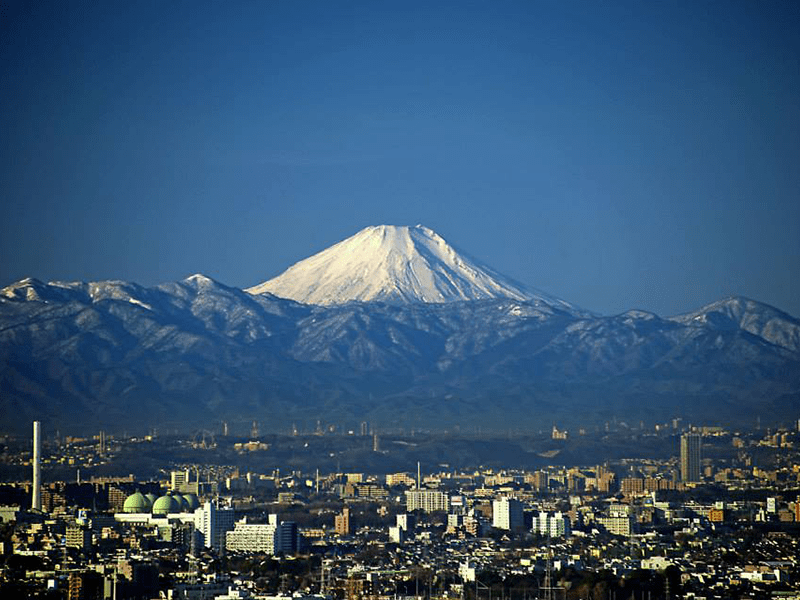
x,y
552,525
507,514
213,521
251,537
427,500
691,444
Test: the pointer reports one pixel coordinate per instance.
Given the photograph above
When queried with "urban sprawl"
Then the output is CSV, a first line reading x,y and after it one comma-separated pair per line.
x,y
717,518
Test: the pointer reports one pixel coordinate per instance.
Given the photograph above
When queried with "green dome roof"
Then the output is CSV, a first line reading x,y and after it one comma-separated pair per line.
x,y
166,504
192,501
136,503
151,498
184,503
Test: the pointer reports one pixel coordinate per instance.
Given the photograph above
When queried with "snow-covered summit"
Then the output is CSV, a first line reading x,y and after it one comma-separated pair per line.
x,y
395,264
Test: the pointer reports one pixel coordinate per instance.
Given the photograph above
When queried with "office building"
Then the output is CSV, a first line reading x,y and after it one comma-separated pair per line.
x,y
287,538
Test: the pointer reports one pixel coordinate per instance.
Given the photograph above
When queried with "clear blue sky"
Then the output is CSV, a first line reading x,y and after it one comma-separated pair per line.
x,y
616,154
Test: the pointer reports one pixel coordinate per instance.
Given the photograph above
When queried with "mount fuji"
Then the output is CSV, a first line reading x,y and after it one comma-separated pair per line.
x,y
396,265
392,325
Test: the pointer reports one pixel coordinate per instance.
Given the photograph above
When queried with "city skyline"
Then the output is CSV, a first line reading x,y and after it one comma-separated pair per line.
x,y
251,528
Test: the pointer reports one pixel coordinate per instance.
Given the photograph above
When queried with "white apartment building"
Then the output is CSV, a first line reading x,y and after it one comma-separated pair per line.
x,y
213,522
251,537
427,500
507,514
554,525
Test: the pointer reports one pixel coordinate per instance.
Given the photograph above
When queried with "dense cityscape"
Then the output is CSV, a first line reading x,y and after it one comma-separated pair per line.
x,y
677,511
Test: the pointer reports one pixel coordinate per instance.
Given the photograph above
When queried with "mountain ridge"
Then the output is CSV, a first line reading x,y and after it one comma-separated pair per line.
x,y
197,350
485,351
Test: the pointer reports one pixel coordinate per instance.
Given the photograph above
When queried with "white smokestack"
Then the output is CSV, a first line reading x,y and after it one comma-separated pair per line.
x,y
36,500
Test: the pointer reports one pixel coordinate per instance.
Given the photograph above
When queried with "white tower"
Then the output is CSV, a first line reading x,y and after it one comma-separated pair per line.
x,y
36,499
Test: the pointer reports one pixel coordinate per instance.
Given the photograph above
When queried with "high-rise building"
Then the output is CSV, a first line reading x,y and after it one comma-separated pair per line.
x,y
287,538
507,514
182,482
772,505
406,522
178,478
619,520
36,494
427,500
690,456
632,485
212,522
397,535
78,536
251,537
553,525
616,524
342,523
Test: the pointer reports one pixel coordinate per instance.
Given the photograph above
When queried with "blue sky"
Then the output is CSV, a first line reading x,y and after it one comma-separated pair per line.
x,y
616,154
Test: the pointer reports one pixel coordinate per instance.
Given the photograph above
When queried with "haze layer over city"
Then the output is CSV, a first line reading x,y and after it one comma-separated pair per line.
x,y
441,300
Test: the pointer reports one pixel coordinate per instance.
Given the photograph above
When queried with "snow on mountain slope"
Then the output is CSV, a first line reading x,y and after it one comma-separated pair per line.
x,y
397,265
763,320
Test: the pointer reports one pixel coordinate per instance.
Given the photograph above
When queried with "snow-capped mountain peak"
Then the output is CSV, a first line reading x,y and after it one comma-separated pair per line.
x,y
396,264
755,317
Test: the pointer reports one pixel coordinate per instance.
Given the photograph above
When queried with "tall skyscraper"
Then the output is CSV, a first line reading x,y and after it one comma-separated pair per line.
x,y
690,456
36,495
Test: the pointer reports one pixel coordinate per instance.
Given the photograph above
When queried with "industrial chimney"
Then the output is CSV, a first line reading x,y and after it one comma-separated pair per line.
x,y
36,499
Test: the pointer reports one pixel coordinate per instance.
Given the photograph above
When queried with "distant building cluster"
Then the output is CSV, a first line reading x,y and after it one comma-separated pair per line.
x,y
685,521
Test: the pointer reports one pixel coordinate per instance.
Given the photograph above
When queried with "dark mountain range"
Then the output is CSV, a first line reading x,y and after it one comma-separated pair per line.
x,y
189,354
